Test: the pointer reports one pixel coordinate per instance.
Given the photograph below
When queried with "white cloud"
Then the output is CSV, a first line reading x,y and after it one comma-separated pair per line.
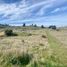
x,y
43,10
24,9
7,9
61,9
27,11
56,10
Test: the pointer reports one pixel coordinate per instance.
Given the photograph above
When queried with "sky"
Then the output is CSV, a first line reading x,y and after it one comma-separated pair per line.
x,y
46,12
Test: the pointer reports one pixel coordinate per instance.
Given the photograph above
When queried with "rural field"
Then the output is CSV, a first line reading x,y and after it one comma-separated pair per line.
x,y
33,47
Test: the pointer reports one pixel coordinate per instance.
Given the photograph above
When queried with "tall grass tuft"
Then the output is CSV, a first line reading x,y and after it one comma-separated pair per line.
x,y
23,59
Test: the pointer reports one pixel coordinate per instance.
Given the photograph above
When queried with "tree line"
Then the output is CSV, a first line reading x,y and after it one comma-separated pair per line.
x,y
42,26
32,25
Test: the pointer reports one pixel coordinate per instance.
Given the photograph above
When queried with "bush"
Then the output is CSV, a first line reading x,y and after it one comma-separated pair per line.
x,y
10,33
23,59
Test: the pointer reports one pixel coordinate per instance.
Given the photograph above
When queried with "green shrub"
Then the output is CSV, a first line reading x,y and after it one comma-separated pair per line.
x,y
10,33
21,60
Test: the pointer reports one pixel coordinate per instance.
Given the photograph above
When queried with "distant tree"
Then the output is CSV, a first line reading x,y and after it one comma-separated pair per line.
x,y
4,25
32,25
42,26
35,25
24,24
52,27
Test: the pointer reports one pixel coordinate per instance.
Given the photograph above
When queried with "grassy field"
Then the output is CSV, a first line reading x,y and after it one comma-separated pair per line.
x,y
33,47
59,49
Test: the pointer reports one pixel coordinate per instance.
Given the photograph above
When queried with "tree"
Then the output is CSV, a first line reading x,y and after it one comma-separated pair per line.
x,y
42,26
24,24
4,25
35,25
32,25
52,27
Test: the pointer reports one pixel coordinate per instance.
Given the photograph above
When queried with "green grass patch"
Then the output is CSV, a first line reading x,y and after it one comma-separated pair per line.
x,y
54,43
58,49
11,60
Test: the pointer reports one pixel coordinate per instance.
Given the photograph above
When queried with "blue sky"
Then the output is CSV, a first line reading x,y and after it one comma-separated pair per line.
x,y
46,12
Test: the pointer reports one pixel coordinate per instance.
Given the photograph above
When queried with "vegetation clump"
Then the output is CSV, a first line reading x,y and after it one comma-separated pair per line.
x,y
23,59
43,36
29,34
57,29
10,33
41,44
35,64
52,27
42,26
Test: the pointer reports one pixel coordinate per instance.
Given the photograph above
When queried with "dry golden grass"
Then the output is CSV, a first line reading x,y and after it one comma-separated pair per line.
x,y
1,34
16,45
59,44
60,35
34,44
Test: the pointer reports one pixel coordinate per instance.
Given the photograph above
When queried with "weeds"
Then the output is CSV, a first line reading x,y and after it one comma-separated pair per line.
x,y
41,44
29,34
19,60
43,36
23,59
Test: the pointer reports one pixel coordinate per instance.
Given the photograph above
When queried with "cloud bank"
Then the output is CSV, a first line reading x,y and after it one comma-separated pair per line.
x,y
40,11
